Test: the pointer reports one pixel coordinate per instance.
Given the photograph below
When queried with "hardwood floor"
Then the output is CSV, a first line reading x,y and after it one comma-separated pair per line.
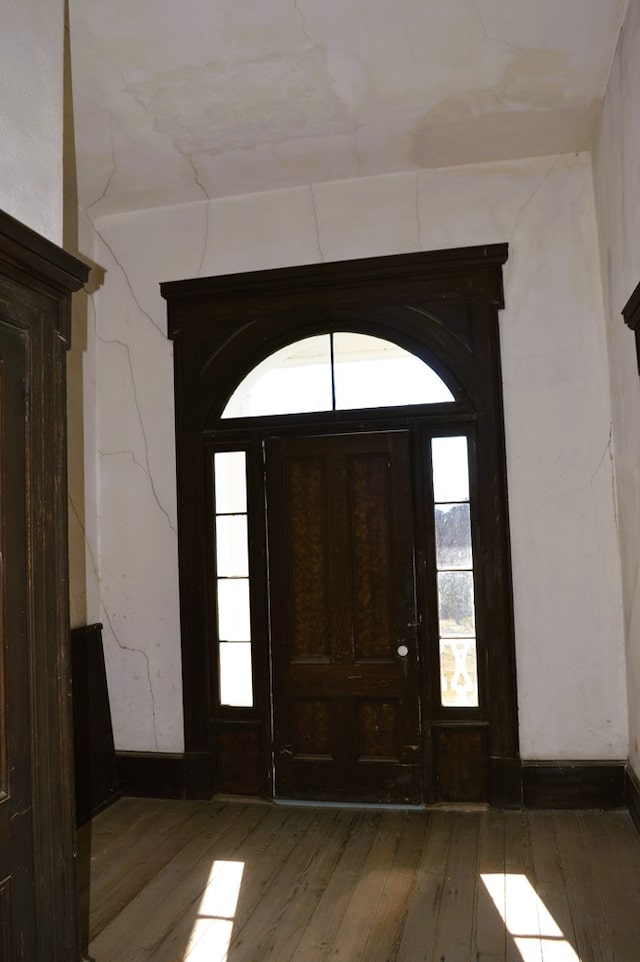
x,y
166,881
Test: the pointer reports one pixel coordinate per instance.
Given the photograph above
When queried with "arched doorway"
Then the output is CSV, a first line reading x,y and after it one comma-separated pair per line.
x,y
345,589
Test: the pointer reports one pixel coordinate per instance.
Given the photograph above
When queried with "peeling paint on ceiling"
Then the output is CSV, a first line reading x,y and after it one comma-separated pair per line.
x,y
175,102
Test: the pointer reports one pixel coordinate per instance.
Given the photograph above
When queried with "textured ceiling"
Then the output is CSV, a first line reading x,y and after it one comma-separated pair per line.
x,y
177,101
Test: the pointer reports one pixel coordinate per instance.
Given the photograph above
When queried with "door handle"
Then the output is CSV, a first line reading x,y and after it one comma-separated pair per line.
x,y
403,651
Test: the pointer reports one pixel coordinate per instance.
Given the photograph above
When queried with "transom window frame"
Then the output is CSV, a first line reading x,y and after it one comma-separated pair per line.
x,y
442,306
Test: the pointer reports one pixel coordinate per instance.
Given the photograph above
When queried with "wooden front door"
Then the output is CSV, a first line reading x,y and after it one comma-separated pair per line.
x,y
17,882
343,618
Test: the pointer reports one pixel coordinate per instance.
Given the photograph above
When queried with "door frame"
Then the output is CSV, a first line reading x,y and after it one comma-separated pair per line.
x,y
442,306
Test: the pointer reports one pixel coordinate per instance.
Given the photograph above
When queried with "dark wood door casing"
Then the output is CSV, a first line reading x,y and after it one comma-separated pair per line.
x,y
442,306
342,601
38,897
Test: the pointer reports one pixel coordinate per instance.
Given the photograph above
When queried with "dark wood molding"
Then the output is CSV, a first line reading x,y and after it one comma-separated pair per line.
x,y
632,788
36,281
467,273
573,784
631,315
442,306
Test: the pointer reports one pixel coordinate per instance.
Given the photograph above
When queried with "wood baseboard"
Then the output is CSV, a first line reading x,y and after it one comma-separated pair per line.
x,y
151,774
166,775
573,785
545,784
632,787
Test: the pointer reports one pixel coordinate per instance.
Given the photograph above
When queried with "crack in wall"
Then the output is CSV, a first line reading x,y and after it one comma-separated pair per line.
x,y
305,30
607,454
109,178
148,471
536,190
136,651
487,36
87,543
317,225
127,281
199,183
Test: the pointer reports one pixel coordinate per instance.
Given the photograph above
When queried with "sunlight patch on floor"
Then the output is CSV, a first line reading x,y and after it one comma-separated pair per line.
x,y
211,934
535,932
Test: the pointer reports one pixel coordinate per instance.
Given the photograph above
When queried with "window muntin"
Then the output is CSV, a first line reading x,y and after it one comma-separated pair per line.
x,y
341,371
232,579
454,566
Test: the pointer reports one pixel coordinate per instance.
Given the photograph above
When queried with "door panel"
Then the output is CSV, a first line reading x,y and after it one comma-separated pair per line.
x,y
342,595
17,908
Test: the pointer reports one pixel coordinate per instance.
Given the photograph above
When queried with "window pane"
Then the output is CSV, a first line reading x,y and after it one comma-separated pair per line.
x,y
453,536
232,550
372,372
450,469
295,379
234,623
455,603
458,673
231,481
236,686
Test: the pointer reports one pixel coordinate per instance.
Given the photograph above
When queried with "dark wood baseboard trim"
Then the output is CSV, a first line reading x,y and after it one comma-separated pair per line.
x,y
107,803
166,775
574,785
545,784
632,787
151,774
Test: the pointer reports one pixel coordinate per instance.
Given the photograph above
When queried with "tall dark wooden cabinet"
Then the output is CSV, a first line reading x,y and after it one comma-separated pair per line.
x,y
38,914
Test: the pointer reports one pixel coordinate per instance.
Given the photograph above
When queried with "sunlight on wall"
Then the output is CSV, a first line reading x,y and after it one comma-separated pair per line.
x,y
213,928
535,932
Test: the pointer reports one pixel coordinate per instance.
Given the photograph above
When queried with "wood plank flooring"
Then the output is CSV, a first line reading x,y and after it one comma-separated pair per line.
x,y
165,881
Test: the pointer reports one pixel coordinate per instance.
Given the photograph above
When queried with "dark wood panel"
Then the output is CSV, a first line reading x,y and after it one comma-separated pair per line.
x,y
96,775
315,733
576,785
370,528
304,489
239,760
462,762
379,734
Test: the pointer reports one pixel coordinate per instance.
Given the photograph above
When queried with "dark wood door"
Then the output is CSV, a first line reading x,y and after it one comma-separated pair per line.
x,y
343,617
17,883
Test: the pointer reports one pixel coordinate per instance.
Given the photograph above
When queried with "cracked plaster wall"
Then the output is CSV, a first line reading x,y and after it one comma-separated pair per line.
x,y
617,191
569,632
31,114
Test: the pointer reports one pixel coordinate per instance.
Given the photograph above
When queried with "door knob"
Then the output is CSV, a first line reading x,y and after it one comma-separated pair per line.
x,y
403,651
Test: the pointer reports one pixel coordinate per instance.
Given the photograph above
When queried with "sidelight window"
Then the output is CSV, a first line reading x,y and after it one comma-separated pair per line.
x,y
232,579
454,565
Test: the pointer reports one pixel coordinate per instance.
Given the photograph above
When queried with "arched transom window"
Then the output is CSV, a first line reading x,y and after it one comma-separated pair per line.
x,y
336,372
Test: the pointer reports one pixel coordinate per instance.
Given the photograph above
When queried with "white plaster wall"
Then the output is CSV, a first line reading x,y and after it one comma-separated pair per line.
x,y
31,54
617,191
569,634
